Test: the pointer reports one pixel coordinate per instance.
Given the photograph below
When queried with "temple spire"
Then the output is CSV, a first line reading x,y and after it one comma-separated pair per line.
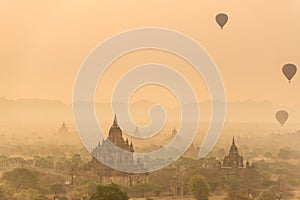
x,y
233,142
136,131
174,131
115,121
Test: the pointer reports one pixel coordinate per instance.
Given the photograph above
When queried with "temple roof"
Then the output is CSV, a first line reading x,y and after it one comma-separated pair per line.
x,y
63,128
233,148
115,123
115,132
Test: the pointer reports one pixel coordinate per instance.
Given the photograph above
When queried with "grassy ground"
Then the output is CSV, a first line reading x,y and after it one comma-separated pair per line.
x,y
178,198
190,198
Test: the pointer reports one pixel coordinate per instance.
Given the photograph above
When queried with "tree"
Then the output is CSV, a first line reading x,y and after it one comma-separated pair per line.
x,y
284,153
268,155
20,178
27,194
86,188
242,194
41,197
44,162
3,195
57,189
76,161
109,192
64,164
199,187
267,195
233,183
278,192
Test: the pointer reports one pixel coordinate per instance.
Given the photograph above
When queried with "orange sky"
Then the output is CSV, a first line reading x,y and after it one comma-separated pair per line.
x,y
43,43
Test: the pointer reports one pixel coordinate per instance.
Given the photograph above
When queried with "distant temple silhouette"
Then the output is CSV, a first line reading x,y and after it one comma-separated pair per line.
x,y
234,159
63,129
136,132
108,153
174,132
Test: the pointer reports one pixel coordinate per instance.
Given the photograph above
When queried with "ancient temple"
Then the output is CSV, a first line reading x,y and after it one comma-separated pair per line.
x,y
136,132
63,129
176,186
107,152
174,132
233,159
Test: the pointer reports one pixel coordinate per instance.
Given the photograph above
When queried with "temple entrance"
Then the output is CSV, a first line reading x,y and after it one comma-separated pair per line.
x,y
179,191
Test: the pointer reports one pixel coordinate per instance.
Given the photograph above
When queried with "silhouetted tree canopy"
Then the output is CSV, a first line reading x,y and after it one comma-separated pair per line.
x,y
109,192
20,178
3,195
199,187
57,189
278,192
243,194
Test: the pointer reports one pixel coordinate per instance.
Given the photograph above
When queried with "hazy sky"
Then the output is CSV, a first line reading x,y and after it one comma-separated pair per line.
x,y
43,43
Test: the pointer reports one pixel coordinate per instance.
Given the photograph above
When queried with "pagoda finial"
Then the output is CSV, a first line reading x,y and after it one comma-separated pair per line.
x,y
131,147
136,131
174,131
233,142
115,121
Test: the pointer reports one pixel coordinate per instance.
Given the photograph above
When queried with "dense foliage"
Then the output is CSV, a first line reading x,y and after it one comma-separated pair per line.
x,y
109,192
199,187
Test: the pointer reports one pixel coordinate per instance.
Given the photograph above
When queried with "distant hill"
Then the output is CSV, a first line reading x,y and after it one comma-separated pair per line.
x,y
53,111
33,110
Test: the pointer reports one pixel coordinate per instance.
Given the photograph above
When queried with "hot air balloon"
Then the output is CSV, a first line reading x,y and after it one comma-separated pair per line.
x,y
289,70
282,116
221,19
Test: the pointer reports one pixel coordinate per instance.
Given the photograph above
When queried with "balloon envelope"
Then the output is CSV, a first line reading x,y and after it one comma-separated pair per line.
x,y
282,116
289,70
221,19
